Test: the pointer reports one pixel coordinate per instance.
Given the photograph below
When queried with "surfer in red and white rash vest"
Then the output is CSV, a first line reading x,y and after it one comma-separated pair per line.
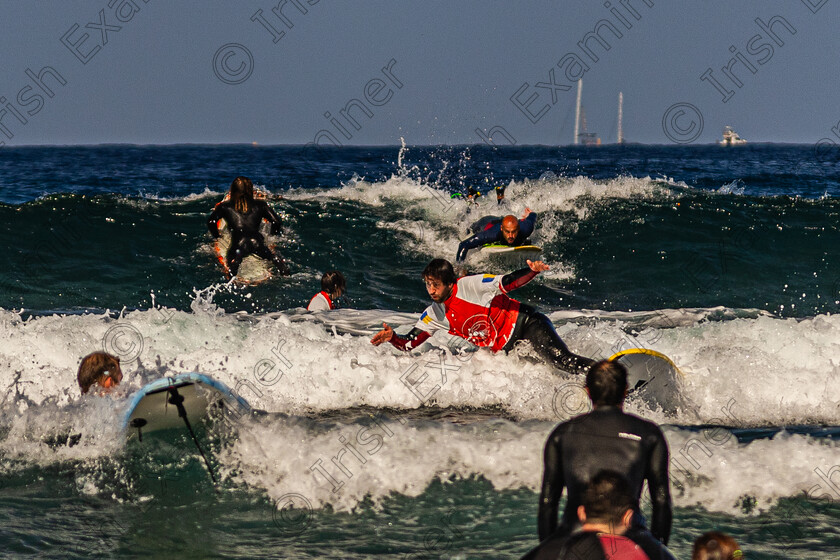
x,y
478,309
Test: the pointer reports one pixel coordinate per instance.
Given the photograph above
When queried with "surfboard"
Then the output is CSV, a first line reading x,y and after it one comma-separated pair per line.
x,y
157,406
253,270
521,250
511,257
652,378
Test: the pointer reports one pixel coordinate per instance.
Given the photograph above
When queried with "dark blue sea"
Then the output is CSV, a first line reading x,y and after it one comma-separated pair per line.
x,y
724,259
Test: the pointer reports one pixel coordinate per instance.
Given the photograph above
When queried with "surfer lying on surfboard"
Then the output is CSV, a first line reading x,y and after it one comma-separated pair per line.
x,y
243,215
478,309
493,229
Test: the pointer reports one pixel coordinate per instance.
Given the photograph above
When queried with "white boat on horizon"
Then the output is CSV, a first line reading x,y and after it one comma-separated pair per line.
x,y
731,138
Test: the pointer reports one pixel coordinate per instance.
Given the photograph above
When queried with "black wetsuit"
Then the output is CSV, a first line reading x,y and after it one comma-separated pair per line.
x,y
536,328
246,238
585,545
606,438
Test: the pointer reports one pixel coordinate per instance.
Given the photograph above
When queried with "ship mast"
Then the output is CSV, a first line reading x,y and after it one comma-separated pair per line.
x,y
577,111
620,115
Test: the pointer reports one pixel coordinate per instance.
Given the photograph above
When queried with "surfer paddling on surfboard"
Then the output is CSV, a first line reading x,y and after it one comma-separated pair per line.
x,y
493,229
243,215
478,309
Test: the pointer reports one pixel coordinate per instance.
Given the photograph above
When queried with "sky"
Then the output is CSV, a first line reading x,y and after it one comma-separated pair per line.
x,y
370,72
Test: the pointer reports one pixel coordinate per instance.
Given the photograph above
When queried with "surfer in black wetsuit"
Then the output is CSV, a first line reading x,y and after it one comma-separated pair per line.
x,y
606,438
493,229
243,215
606,517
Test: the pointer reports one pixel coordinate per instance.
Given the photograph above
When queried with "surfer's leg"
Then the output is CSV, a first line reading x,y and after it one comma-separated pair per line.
x,y
236,252
266,253
539,331
483,223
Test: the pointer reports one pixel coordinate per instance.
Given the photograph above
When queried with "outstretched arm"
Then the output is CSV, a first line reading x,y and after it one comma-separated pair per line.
x,y
519,278
412,340
466,245
489,235
527,223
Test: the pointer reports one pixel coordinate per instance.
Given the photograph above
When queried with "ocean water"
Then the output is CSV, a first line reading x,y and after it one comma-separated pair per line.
x,y
724,259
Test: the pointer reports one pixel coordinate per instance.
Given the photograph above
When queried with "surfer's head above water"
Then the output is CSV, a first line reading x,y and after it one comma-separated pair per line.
x,y
439,277
241,193
99,368
715,545
510,228
606,383
333,283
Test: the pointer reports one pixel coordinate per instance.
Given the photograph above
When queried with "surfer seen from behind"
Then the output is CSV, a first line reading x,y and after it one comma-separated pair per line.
x,y
243,215
493,229
478,309
606,438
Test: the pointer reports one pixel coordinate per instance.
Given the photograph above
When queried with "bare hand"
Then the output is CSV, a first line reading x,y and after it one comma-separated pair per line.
x,y
537,266
382,336
525,214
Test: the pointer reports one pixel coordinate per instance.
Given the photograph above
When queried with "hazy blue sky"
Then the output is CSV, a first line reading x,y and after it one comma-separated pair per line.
x,y
266,71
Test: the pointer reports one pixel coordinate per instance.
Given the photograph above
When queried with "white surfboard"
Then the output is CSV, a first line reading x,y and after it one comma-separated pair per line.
x,y
252,271
156,407
652,378
522,250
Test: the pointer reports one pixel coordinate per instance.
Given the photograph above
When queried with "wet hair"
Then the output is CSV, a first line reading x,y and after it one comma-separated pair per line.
x,y
332,281
241,193
440,269
95,366
607,498
607,383
715,545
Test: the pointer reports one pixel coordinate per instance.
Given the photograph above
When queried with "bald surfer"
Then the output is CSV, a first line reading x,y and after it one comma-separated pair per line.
x,y
493,229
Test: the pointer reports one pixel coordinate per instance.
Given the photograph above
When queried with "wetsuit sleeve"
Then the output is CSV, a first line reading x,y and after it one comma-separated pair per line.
x,y
212,225
517,279
526,226
272,217
660,494
552,487
412,340
477,240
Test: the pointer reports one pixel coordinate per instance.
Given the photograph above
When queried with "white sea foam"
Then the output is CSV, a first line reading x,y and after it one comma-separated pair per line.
x,y
293,362
342,464
297,363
